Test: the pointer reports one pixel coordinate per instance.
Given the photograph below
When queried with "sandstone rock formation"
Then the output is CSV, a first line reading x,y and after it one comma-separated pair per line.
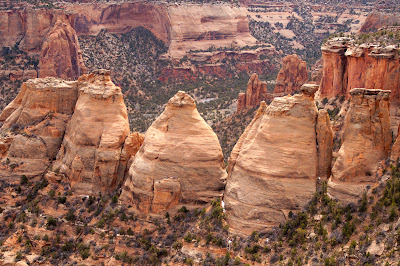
x,y
256,91
275,164
348,66
34,126
180,161
366,141
61,55
325,144
95,135
376,20
291,76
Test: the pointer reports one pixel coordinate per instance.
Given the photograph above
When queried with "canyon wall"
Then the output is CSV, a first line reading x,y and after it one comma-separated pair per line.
x,y
365,143
180,161
274,166
348,66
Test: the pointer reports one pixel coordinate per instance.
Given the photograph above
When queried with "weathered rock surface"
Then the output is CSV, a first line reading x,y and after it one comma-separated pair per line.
x,y
95,135
61,55
325,144
34,126
348,66
273,167
180,161
291,76
366,141
256,92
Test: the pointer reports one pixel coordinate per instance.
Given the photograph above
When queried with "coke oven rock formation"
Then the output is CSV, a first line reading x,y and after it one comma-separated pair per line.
x,y
92,144
34,126
274,166
180,161
291,76
256,92
366,141
348,66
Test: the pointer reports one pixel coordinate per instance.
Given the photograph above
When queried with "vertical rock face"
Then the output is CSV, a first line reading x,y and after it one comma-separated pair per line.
x,y
61,55
325,144
93,142
348,66
256,91
180,161
34,125
291,76
273,167
366,141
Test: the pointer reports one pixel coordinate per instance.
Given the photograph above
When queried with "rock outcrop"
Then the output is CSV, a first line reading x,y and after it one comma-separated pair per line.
x,y
256,92
291,76
61,55
34,126
348,66
92,146
274,166
366,141
180,161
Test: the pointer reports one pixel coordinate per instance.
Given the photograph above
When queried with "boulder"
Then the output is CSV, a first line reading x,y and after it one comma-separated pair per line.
x,y
366,142
179,163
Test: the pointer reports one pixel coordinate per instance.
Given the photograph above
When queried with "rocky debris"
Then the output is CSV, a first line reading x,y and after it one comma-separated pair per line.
x,y
180,161
61,55
95,135
274,165
291,76
366,141
348,66
255,92
34,125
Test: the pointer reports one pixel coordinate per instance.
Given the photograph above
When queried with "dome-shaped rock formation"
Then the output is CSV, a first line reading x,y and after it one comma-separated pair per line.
x,y
92,146
274,166
291,76
366,141
180,161
34,125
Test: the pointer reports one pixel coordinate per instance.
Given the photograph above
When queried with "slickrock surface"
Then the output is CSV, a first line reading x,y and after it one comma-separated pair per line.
x,y
34,126
274,165
291,76
348,66
180,161
256,92
61,55
366,141
93,142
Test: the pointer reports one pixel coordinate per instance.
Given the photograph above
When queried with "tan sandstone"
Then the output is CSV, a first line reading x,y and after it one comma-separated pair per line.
x,y
274,166
366,141
179,163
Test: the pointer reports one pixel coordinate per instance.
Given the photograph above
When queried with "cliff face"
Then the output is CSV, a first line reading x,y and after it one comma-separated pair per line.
x,y
61,55
291,76
256,92
348,66
366,141
180,161
97,130
274,166
34,126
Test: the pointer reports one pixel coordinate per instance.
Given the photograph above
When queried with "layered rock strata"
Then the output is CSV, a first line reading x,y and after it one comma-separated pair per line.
x,y
366,141
180,161
348,66
34,126
256,92
275,164
291,76
93,143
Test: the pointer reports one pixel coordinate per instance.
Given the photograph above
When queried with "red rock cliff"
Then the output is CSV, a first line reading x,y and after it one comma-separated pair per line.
x,y
255,93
